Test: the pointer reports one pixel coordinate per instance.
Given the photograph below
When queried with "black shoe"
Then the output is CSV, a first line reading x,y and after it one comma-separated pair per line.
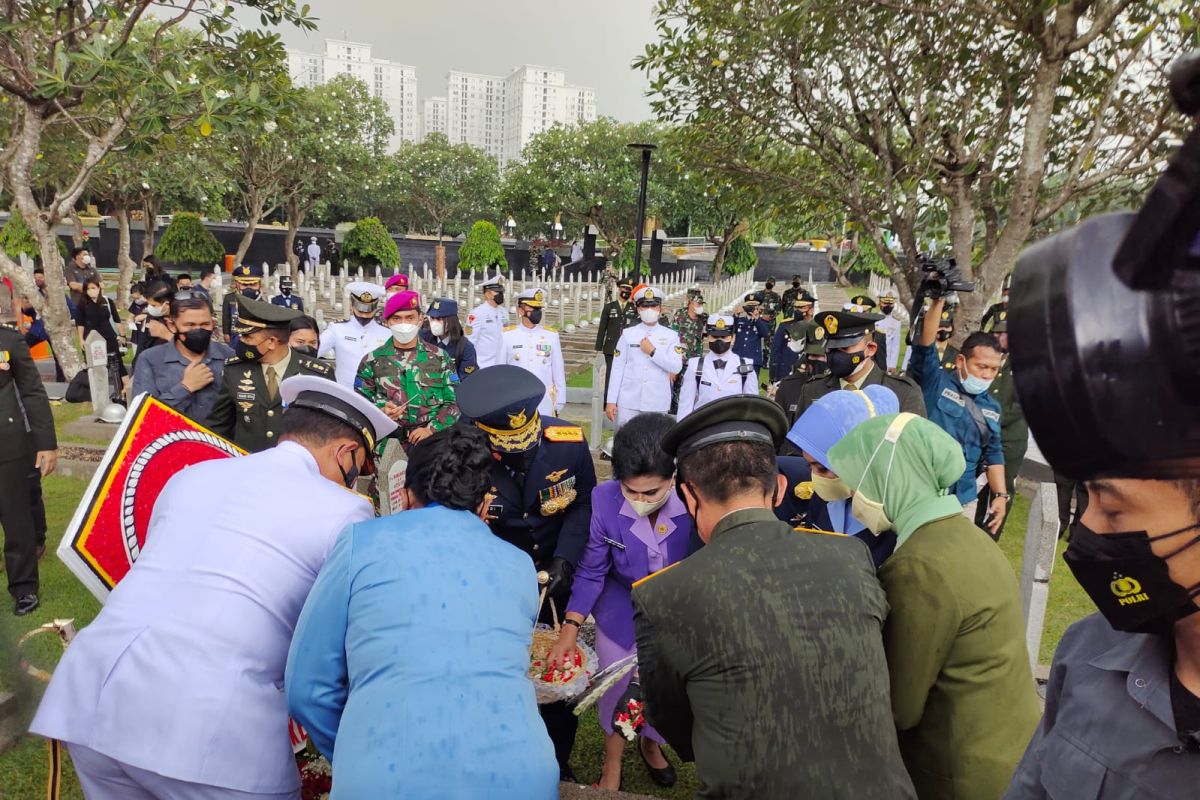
x,y
26,604
664,777
567,775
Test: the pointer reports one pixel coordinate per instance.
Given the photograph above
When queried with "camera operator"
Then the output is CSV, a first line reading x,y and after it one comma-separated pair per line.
x,y
1122,714
959,402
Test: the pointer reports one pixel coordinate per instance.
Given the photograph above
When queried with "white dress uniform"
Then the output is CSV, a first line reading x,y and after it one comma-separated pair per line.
x,y
485,326
314,254
539,351
181,674
890,327
640,382
735,376
350,340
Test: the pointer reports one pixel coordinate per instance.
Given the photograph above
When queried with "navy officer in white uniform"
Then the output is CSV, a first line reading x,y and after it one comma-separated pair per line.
x,y
646,361
536,347
353,339
485,324
176,689
718,373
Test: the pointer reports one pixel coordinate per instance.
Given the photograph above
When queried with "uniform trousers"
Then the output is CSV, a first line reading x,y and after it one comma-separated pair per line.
x,y
104,778
20,531
625,414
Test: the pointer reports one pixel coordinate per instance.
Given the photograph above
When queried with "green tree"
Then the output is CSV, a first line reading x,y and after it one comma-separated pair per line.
x,y
16,238
741,256
369,244
997,115
482,250
112,75
186,242
589,174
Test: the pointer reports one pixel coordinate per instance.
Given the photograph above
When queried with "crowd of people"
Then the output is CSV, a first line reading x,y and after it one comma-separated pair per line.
x,y
809,579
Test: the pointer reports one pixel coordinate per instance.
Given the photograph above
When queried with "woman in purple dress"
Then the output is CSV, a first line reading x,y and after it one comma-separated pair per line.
x,y
639,526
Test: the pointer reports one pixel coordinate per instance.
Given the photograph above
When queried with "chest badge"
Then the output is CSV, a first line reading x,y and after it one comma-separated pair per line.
x,y
556,476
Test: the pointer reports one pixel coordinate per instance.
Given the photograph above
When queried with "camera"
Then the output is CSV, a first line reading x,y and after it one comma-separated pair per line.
x,y
1104,328
945,277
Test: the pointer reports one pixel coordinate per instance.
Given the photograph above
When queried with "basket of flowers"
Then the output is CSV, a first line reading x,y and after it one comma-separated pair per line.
x,y
563,681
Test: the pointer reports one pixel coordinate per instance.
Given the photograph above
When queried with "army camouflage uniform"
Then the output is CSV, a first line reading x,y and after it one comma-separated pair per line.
x,y
691,339
772,306
421,380
789,297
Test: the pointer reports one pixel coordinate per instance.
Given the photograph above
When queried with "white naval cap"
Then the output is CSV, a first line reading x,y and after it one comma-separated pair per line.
x,y
719,325
365,295
534,297
331,398
647,295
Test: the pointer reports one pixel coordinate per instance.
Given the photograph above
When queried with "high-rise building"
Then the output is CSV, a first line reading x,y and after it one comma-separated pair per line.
x,y
538,99
395,84
433,119
475,106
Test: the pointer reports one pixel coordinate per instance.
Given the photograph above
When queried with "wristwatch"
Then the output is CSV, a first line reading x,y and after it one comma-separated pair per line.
x,y
1005,495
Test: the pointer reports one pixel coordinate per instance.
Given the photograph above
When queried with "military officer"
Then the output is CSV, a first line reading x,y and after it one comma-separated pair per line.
x,y
862,304
28,451
247,281
772,307
645,362
718,373
706,662
396,283
750,331
889,326
285,297
1014,430
248,410
536,347
352,339
787,344
789,295
486,323
992,315
850,349
689,322
617,315
541,497
412,381
811,364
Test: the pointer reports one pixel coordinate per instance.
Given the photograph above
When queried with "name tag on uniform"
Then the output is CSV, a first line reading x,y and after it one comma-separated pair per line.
x,y
953,397
245,395
614,543
990,414
705,383
350,338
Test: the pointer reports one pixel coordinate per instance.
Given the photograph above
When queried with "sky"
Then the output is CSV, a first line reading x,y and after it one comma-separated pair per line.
x,y
593,41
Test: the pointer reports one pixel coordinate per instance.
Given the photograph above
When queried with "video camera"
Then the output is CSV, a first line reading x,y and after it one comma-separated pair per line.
x,y
945,277
1104,328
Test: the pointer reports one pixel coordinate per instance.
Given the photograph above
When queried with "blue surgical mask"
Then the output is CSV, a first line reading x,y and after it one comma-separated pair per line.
x,y
973,385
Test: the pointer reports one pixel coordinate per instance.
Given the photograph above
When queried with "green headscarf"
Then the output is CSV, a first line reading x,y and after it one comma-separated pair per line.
x,y
907,467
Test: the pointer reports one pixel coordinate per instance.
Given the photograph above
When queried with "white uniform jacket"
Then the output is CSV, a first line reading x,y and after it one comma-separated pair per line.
x,y
715,383
640,381
485,326
350,342
891,331
182,672
539,350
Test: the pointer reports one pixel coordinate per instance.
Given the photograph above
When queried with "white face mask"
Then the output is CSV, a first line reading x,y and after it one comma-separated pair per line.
x,y
649,315
156,311
437,327
796,345
405,332
87,260
700,309
643,508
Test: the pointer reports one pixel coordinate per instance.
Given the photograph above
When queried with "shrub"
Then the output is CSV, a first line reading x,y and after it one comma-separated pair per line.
x,y
482,249
17,238
186,242
740,256
368,244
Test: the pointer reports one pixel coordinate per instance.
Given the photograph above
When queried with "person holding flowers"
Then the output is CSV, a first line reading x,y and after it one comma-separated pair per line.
x,y
639,526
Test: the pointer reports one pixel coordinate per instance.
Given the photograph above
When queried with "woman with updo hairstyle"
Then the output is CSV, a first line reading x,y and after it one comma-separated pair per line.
x,y
409,663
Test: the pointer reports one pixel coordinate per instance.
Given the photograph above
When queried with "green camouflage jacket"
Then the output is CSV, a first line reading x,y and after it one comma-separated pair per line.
x,y
691,332
421,382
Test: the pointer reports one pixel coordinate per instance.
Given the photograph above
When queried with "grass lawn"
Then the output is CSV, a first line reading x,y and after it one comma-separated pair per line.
x,y
65,413
581,379
23,769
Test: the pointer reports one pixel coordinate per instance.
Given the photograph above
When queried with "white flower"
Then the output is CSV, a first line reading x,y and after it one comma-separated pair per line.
x,y
270,126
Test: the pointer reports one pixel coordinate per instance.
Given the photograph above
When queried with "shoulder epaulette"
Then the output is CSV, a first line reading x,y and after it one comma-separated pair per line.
x,y
563,433
314,365
640,581
233,360
550,328
508,328
810,530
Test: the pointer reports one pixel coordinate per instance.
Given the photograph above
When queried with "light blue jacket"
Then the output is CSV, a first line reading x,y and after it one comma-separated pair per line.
x,y
408,667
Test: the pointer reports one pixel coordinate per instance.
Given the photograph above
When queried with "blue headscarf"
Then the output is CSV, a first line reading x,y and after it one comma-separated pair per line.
x,y
829,418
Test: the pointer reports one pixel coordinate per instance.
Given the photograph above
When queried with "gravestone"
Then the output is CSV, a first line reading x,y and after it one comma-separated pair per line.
x,y
96,351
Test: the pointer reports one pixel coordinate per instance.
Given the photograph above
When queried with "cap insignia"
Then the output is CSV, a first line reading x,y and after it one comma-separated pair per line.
x,y
720,325
831,324
649,294
517,420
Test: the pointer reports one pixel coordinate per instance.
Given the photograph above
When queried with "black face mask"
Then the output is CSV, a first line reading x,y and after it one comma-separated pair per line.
x,y
498,298
251,292
843,364
886,309
944,336
247,352
196,341
1129,584
535,315
795,284
817,367
306,350
286,292
348,478
624,295
364,321
720,346
770,286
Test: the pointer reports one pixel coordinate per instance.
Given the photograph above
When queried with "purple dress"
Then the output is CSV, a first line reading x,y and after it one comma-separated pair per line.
x,y
622,548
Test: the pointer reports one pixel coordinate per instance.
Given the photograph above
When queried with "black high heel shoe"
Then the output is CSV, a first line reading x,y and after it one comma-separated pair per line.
x,y
664,777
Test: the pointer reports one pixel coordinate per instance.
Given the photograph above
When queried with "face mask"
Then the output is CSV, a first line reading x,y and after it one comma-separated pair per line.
x,y
887,309
285,292
498,299
1129,584
817,367
843,364
247,352
535,315
720,346
437,327
795,284
974,385
830,489
770,286
649,315
868,512
94,294
404,332
645,509
195,341
700,309
251,292
796,345
364,321
349,477
155,311
306,350
87,261
624,295
944,336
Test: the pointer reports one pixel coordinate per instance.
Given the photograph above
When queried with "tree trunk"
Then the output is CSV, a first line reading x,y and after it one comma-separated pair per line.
x,y
59,325
76,229
439,256
150,209
295,218
247,237
125,263
718,262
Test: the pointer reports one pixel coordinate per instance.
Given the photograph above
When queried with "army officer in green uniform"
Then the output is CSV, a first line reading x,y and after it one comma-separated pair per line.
x,y
761,655
248,410
615,317
412,381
